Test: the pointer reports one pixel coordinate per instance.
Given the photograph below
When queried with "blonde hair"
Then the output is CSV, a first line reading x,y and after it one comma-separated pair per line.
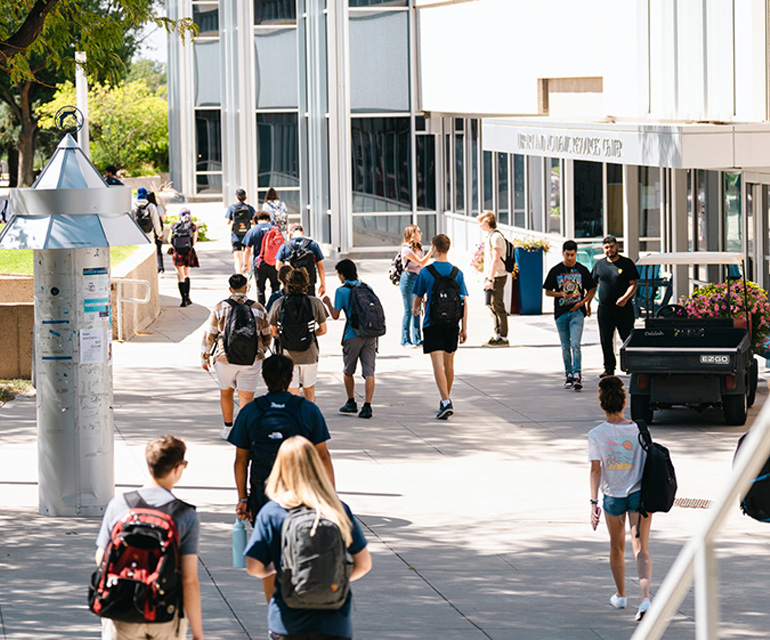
x,y
489,218
299,478
409,232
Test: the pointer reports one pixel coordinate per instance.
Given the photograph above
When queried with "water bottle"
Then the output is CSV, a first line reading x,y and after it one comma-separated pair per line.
x,y
239,545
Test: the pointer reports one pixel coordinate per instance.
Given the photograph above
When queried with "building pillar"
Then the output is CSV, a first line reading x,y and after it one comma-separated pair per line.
x,y
568,205
678,210
631,211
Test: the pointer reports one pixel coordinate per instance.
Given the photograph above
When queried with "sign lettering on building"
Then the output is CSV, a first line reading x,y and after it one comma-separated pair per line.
x,y
586,146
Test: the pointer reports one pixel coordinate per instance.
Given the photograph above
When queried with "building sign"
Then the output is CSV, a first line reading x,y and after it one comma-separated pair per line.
x,y
590,147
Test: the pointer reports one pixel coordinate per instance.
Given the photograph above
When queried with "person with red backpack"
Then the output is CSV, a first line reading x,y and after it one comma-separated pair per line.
x,y
262,243
147,585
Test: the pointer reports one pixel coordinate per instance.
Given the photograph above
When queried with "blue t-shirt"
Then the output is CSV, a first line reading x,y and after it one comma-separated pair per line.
x,y
229,216
285,251
254,237
424,285
265,546
342,303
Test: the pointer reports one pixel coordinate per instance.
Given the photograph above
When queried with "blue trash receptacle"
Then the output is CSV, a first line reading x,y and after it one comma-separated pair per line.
x,y
530,262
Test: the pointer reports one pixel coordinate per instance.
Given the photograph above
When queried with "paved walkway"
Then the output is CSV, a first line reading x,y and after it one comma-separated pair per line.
x,y
478,526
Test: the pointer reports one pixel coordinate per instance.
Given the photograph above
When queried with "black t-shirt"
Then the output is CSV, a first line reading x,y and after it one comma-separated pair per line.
x,y
573,280
613,279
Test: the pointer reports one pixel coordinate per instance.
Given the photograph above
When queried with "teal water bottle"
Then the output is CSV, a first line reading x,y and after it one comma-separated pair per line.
x,y
239,545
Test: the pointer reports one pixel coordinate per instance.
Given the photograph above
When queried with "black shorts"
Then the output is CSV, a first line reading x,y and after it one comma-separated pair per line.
x,y
238,246
437,337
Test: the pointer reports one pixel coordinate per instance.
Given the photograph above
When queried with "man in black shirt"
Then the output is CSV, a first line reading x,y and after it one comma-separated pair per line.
x,y
616,276
571,286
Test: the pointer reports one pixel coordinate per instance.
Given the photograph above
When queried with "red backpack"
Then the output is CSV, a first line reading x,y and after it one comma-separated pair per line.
x,y
140,578
271,242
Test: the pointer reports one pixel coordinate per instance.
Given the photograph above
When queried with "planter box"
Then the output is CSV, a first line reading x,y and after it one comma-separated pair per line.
x,y
530,281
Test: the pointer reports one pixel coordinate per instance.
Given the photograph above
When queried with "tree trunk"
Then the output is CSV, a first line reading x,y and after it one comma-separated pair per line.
x,y
13,166
27,137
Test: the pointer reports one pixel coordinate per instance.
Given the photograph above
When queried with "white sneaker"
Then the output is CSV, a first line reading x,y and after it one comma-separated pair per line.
x,y
225,433
643,608
618,602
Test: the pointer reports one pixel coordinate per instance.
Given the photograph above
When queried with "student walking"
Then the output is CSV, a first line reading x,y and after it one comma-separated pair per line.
x,y
495,277
235,338
443,287
616,277
413,258
572,288
262,243
153,200
239,216
184,235
297,320
299,490
276,209
165,457
617,462
303,253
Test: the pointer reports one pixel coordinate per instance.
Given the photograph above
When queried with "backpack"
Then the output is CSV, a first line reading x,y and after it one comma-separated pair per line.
x,y
756,502
271,242
315,570
139,578
296,322
277,213
396,269
182,237
241,219
366,315
446,303
241,338
143,217
509,257
301,256
658,477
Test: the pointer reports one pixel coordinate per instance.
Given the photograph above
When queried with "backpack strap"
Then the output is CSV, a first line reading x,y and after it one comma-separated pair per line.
x,y
433,271
645,439
453,273
173,508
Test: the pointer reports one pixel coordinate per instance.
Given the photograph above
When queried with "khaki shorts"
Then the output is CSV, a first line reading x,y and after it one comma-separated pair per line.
x,y
304,374
116,630
238,376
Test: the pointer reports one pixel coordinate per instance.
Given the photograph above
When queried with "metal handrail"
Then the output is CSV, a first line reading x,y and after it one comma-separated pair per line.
x,y
697,561
119,299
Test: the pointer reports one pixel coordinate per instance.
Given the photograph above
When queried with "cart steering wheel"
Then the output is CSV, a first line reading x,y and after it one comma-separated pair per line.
x,y
672,311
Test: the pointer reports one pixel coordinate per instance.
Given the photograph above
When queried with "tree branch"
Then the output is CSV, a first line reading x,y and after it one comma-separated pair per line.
x,y
28,32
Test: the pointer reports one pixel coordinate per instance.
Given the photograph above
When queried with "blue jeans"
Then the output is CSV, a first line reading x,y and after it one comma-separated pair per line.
x,y
407,286
570,328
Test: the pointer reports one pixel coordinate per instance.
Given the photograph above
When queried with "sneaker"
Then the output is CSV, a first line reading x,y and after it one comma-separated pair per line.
x,y
643,608
444,410
225,433
496,342
606,374
618,602
569,382
578,383
349,407
366,411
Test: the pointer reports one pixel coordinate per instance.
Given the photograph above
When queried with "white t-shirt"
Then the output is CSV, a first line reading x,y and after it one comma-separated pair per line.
x,y
622,458
494,269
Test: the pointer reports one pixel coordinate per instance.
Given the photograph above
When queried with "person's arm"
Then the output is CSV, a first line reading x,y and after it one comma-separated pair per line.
x,y
627,295
463,324
321,277
321,329
99,556
362,564
326,459
157,224
255,568
417,305
247,258
586,302
334,313
240,469
595,478
191,590
413,257
210,334
274,331
555,294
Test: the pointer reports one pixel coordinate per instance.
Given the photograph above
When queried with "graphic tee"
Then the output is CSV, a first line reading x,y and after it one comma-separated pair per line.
x,y
613,279
574,281
622,458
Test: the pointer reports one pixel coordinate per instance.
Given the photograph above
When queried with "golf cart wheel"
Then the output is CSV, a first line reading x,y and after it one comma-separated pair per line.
x,y
735,409
640,408
753,380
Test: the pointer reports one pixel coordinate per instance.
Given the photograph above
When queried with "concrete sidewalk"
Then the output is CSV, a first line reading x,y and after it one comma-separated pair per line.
x,y
478,526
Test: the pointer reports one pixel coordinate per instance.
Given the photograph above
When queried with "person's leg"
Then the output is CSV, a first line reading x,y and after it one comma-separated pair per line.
x,y
227,405
295,381
244,397
350,385
159,254
439,373
262,275
576,321
238,260
617,529
640,546
186,271
606,318
624,320
406,297
272,275
307,376
368,389
498,307
562,327
181,284
449,371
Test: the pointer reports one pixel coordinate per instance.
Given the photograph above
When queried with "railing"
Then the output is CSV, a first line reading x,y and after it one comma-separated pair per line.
x,y
697,560
119,299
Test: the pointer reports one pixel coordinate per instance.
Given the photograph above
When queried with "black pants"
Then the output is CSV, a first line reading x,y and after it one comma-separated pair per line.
x,y
610,319
159,254
266,272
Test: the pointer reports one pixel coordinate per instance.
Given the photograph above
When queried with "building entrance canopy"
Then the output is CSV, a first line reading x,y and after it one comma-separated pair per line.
x,y
674,146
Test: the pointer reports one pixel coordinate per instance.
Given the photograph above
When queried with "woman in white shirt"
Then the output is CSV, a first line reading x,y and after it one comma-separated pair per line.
x,y
413,258
617,462
276,208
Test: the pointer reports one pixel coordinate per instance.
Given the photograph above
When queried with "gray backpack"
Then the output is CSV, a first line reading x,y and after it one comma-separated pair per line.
x,y
315,567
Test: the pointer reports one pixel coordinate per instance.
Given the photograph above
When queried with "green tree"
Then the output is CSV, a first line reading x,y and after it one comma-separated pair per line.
x,y
152,72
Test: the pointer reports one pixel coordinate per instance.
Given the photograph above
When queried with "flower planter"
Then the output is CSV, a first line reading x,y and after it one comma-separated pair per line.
x,y
530,280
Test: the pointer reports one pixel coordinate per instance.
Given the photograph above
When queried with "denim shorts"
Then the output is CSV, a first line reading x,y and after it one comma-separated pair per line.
x,y
619,506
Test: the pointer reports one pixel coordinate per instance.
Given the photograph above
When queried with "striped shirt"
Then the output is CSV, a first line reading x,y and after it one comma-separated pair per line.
x,y
214,330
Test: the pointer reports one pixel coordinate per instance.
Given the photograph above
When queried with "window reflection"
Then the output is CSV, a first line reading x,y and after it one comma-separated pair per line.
x,y
208,138
276,83
277,150
489,186
649,208
615,200
519,191
459,173
207,73
732,212
588,199
275,12
554,204
503,204
206,17
378,231
378,3
426,172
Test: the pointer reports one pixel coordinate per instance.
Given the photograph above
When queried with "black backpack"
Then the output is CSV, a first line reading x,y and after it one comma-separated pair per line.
x,y
446,303
275,423
756,502
302,257
296,322
241,219
140,578
658,477
241,338
182,237
143,217
367,317
509,258
396,269
315,569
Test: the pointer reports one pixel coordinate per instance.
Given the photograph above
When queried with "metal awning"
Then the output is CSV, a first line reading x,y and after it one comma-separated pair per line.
x,y
692,257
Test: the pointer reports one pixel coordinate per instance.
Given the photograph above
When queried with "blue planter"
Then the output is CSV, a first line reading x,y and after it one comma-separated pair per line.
x,y
530,281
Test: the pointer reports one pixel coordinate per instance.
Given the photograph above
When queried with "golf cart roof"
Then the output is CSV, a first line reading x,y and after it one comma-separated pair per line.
x,y
692,257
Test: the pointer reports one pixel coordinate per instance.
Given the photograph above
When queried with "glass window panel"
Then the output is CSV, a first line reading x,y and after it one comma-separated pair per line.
x,y
290,199
275,12
554,209
426,172
379,61
503,199
208,183
206,16
536,192
459,125
649,207
277,150
208,140
427,225
207,74
588,199
459,173
378,3
381,160
707,211
474,167
489,186
276,84
519,191
615,200
732,212
419,123
448,171
379,231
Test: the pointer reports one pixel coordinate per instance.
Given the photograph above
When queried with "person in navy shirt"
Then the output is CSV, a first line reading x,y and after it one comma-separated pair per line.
x,y
312,259
440,339
262,271
236,239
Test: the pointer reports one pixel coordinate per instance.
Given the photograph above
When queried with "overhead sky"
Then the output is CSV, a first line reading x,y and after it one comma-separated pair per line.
x,y
154,45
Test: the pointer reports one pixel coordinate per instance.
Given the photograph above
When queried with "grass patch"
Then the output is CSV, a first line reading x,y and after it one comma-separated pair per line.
x,y
9,389
19,261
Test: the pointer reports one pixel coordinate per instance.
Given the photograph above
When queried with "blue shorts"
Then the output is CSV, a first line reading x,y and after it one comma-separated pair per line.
x,y
619,506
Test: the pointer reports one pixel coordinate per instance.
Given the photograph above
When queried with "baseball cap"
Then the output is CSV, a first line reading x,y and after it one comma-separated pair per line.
x,y
240,193
141,193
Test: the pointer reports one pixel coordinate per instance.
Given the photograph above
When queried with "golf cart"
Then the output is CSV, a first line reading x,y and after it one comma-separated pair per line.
x,y
695,362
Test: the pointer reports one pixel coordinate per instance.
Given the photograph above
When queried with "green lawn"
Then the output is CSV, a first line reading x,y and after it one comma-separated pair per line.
x,y
19,261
